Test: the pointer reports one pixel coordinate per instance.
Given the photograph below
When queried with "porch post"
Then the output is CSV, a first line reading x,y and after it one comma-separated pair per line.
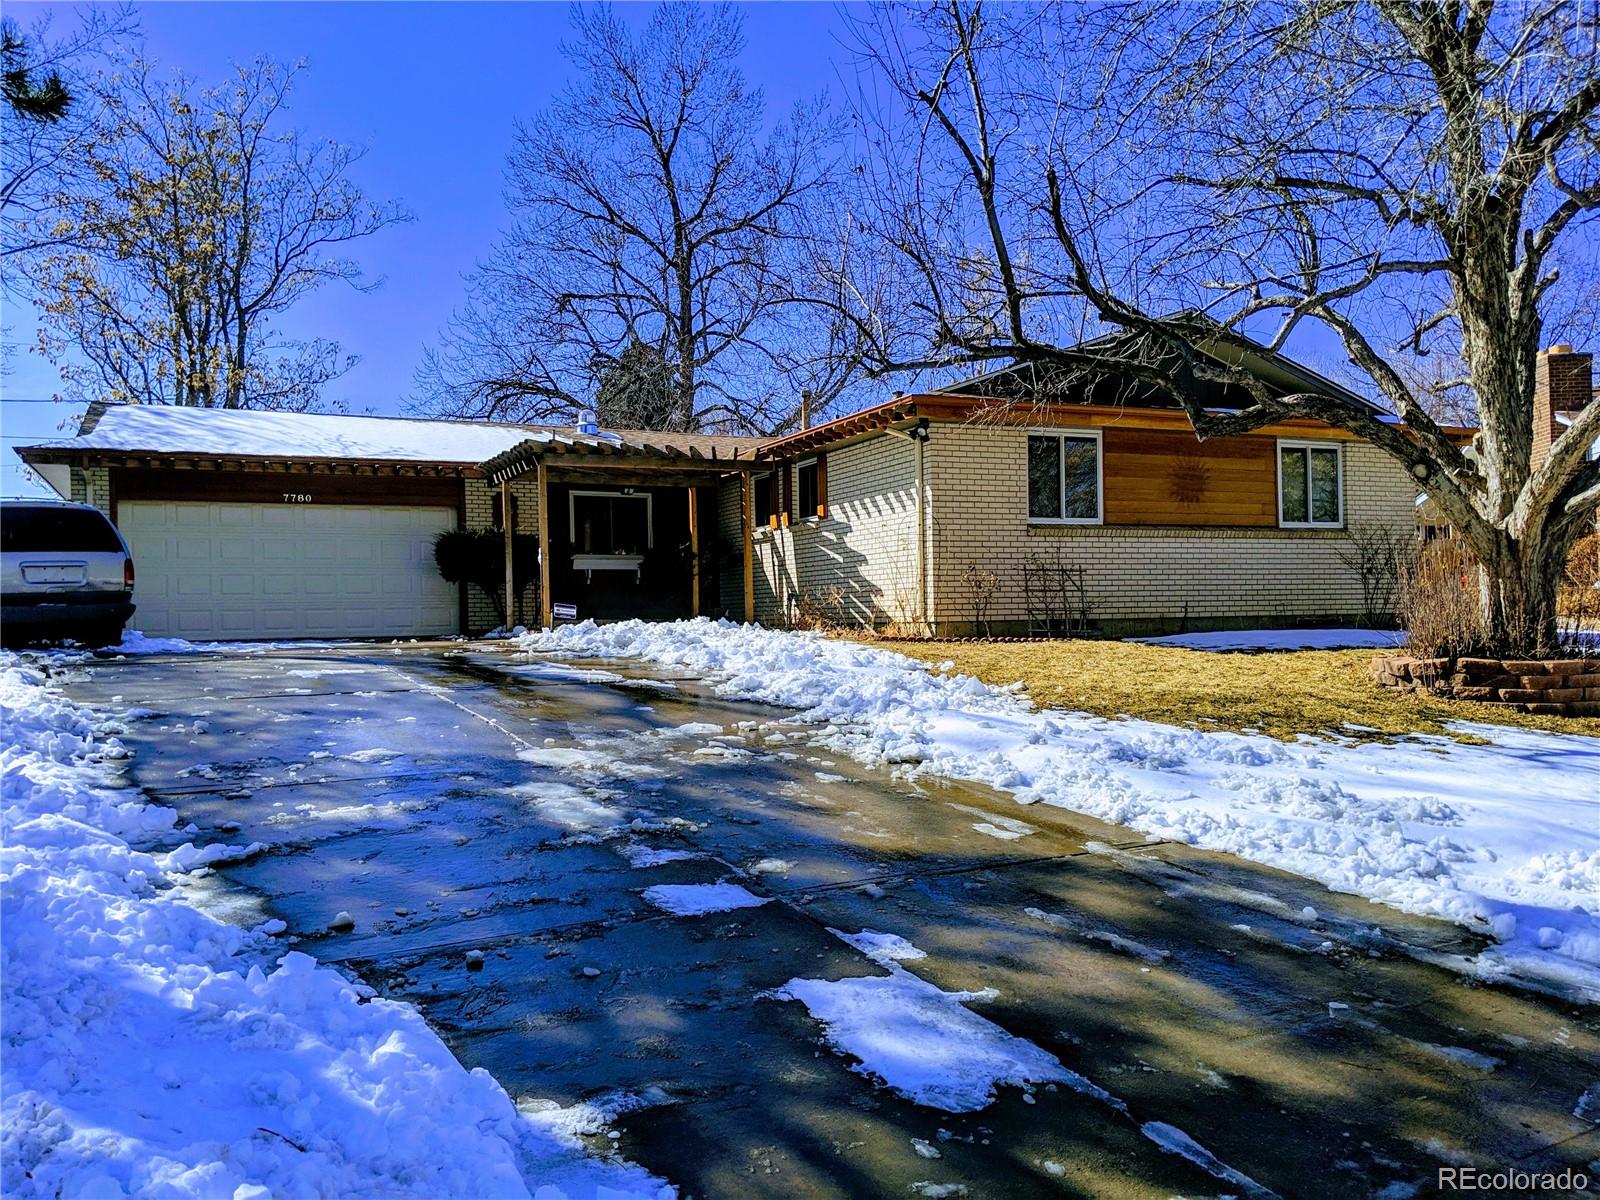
x,y
747,509
544,549
694,549
507,529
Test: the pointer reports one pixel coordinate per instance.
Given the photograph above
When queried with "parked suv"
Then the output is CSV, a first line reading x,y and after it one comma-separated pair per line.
x,y
65,572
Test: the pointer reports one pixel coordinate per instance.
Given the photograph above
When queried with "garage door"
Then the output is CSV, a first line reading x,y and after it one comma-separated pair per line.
x,y
287,570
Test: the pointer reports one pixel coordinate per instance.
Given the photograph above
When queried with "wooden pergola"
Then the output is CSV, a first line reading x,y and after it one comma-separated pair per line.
x,y
687,461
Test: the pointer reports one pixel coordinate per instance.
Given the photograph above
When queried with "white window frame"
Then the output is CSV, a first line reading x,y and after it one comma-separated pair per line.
x,y
649,512
1081,434
1277,470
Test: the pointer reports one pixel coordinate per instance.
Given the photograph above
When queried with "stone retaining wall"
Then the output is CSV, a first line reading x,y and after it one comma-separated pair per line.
x,y
1564,687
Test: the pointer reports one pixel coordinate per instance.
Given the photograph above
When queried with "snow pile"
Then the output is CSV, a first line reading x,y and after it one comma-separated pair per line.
x,y
1502,838
1283,639
134,642
151,1049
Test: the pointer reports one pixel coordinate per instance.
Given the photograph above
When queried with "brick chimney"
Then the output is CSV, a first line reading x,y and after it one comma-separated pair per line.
x,y
1563,382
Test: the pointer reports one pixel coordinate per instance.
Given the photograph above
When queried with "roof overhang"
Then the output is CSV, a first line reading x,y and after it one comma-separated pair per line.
x,y
40,457
661,461
905,411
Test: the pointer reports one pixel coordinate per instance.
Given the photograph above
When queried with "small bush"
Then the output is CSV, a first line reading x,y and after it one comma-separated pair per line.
x,y
824,612
478,557
1438,603
1375,553
1578,596
981,584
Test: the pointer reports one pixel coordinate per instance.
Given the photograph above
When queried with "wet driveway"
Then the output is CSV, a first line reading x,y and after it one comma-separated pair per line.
x,y
490,826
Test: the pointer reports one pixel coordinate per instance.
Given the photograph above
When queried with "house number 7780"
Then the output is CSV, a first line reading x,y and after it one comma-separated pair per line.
x,y
297,498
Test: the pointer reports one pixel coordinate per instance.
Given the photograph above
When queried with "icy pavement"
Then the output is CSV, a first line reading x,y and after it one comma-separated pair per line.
x,y
153,1049
1151,1019
1502,838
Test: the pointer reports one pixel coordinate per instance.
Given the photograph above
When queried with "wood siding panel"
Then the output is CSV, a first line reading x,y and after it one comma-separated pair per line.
x,y
1154,478
261,488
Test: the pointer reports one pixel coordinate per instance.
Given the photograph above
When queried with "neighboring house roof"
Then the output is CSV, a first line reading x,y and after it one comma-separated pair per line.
x,y
1055,382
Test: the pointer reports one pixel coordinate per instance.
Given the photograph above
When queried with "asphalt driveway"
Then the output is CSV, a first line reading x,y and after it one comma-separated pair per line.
x,y
489,825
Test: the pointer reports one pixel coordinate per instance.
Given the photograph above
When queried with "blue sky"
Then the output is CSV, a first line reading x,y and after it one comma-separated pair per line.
x,y
432,90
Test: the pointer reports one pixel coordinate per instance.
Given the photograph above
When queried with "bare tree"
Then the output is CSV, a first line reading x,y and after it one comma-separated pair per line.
x,y
650,211
639,390
1407,176
54,109
185,234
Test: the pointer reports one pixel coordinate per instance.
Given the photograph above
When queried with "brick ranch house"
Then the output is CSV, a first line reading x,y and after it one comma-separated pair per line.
x,y
1093,501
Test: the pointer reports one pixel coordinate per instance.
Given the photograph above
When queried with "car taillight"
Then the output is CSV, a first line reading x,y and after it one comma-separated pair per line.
x,y
127,574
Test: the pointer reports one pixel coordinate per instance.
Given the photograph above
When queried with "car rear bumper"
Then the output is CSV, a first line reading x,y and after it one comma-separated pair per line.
x,y
63,611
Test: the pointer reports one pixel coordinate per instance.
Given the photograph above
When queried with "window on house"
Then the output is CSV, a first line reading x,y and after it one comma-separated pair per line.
x,y
811,485
610,522
766,489
1064,477
1310,485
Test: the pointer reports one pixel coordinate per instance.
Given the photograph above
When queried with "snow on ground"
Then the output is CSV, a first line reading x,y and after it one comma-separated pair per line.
x,y
1283,639
693,899
1502,838
920,1040
1178,1142
134,642
152,1049
927,1045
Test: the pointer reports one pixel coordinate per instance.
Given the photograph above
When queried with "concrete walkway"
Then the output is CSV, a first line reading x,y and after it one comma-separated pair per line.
x,y
458,798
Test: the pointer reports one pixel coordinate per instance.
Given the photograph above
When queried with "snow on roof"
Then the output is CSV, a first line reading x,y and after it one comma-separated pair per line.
x,y
255,434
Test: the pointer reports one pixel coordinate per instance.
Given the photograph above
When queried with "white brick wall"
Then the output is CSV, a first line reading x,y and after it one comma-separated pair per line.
x,y
1142,577
481,613
859,561
92,485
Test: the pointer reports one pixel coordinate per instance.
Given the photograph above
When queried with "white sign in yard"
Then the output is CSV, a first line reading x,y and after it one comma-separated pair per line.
x,y
564,612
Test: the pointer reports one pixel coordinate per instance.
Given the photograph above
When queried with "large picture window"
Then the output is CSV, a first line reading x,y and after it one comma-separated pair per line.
x,y
1064,477
1310,485
611,522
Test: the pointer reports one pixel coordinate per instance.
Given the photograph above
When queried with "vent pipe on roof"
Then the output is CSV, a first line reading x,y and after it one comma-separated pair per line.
x,y
587,425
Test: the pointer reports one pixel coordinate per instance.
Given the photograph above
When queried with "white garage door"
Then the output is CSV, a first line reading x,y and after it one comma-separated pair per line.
x,y
286,570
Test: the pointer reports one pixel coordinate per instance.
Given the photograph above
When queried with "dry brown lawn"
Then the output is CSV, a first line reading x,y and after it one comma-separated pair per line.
x,y
1282,693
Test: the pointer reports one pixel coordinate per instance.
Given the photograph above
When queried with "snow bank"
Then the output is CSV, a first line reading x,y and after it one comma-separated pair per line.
x,y
134,642
1502,838
1283,639
150,1049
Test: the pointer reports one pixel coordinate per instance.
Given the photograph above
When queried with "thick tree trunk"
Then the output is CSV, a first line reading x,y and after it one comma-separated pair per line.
x,y
1519,602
